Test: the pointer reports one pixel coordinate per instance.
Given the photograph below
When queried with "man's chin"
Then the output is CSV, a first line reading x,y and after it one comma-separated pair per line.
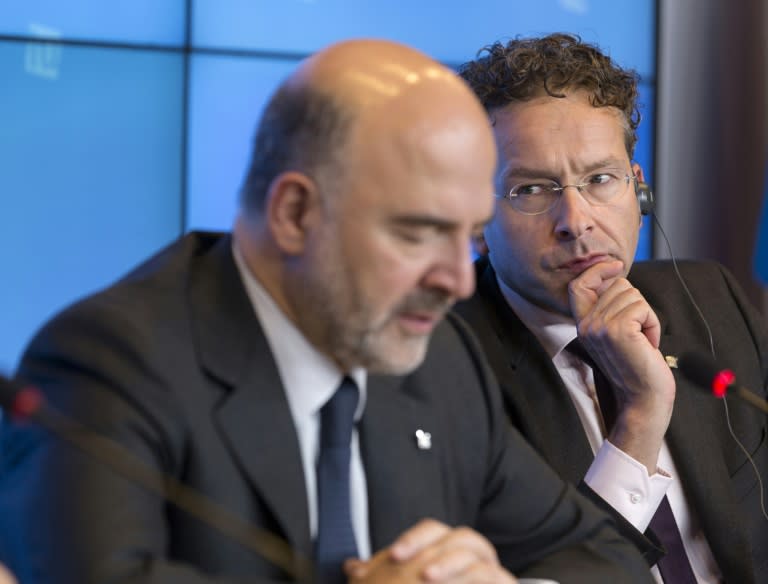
x,y
557,305
398,357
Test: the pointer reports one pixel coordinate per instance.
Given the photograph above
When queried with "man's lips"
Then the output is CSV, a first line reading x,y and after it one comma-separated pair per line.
x,y
578,265
419,323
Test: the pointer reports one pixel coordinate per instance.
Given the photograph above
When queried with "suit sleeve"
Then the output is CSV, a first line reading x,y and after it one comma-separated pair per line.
x,y
80,521
541,526
647,543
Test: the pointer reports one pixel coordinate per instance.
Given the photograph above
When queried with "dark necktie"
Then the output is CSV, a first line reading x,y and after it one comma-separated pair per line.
x,y
335,536
674,566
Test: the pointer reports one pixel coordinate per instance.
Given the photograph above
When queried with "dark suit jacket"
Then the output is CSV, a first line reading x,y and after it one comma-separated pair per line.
x,y
719,482
172,363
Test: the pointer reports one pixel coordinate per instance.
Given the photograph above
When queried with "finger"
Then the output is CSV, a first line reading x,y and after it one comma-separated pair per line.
x,y
461,546
422,535
622,306
585,289
637,310
354,568
613,299
612,291
479,573
451,564
469,539
628,319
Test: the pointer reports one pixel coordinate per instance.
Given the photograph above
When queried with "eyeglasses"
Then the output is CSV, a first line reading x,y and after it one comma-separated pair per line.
x,y
539,196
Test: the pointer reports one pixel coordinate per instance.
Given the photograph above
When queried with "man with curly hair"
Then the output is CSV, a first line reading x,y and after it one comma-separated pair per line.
x,y
584,348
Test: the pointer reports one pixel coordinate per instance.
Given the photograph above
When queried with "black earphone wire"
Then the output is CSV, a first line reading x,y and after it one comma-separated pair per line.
x,y
714,356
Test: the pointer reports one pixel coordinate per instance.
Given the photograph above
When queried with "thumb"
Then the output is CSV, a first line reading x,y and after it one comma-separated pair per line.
x,y
586,288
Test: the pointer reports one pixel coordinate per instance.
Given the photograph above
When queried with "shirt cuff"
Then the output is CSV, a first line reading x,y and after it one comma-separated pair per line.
x,y
625,485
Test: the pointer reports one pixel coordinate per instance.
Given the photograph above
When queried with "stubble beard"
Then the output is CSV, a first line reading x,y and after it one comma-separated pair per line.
x,y
346,328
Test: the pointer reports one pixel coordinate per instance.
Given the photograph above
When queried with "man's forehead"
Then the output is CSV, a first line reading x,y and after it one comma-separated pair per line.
x,y
547,128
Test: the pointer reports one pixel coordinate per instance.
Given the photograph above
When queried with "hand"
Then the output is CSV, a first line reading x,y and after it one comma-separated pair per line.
x,y
621,332
433,552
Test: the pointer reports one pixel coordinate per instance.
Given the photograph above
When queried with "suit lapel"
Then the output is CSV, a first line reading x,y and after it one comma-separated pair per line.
x,y
254,417
404,481
534,393
698,457
569,455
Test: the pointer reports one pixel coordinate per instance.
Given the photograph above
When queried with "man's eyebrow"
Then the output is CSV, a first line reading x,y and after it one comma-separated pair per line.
x,y
604,163
423,220
527,172
426,220
531,172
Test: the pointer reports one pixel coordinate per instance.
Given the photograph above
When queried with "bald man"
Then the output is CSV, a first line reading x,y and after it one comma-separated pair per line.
x,y
300,373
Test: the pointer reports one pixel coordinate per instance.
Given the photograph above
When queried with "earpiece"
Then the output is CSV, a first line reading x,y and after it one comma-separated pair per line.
x,y
644,196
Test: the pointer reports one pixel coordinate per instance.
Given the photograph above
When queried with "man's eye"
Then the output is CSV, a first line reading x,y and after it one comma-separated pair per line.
x,y
602,179
529,190
411,235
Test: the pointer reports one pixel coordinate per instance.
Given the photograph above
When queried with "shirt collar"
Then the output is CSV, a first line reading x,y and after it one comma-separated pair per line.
x,y
310,378
553,330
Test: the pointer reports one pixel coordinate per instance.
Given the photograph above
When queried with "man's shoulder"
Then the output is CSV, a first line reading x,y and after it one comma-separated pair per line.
x,y
164,270
452,341
654,272
454,360
172,260
669,282
132,307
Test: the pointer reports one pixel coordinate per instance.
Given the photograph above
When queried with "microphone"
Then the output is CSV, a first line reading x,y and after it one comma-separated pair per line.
x,y
28,403
705,372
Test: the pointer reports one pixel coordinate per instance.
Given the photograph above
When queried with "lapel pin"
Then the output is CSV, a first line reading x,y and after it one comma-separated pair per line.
x,y
671,361
423,439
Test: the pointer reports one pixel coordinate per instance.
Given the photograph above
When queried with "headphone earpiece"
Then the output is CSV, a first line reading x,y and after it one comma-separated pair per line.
x,y
644,196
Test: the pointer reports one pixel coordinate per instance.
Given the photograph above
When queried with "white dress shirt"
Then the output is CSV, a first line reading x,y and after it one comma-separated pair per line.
x,y
310,380
618,478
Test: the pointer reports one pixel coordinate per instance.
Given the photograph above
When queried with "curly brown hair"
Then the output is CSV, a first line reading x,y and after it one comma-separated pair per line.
x,y
524,67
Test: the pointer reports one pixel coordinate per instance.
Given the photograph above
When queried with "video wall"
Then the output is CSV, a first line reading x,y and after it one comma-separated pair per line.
x,y
125,123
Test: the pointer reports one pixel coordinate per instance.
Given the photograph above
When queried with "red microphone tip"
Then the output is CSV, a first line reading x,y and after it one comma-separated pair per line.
x,y
27,402
722,381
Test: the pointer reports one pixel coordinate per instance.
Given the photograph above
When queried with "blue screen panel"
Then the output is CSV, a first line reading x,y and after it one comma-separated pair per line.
x,y
760,259
644,157
450,30
91,175
227,96
124,21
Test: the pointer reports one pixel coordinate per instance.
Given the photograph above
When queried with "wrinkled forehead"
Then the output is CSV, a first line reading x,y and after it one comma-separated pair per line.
x,y
558,111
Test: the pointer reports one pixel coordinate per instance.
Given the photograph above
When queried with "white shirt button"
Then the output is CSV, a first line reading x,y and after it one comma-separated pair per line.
x,y
635,498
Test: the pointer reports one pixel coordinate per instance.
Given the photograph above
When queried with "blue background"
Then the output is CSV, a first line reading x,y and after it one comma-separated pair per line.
x,y
124,123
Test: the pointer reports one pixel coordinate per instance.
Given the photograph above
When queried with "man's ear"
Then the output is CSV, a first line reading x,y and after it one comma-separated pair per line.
x,y
293,202
479,246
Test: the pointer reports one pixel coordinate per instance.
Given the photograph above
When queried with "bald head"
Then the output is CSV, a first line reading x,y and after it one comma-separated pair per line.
x,y
309,120
365,73
372,170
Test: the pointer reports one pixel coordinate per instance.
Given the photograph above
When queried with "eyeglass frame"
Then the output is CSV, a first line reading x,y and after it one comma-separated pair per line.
x,y
558,188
